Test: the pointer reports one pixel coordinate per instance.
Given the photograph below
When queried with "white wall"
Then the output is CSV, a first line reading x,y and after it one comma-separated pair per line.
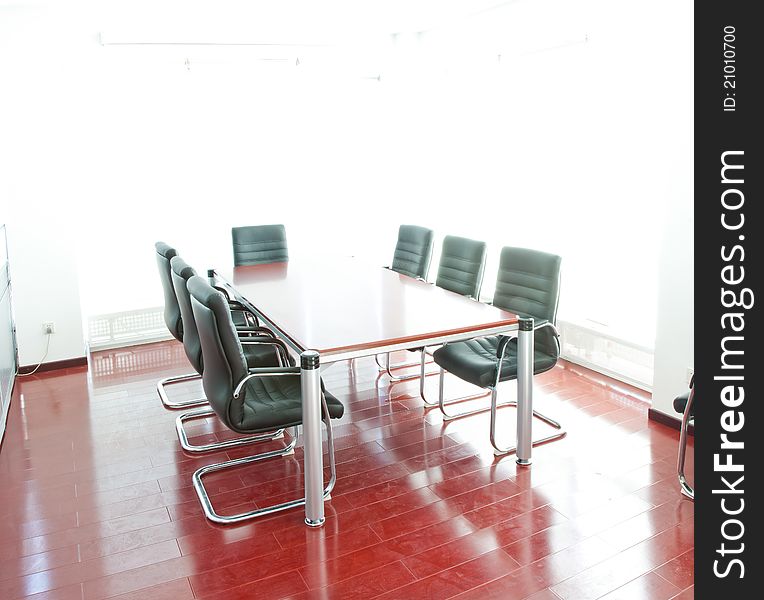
x,y
44,276
124,145
674,343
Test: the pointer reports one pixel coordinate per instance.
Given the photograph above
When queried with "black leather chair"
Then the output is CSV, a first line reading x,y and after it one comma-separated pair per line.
x,y
413,251
248,401
259,244
461,267
174,322
528,284
685,404
261,349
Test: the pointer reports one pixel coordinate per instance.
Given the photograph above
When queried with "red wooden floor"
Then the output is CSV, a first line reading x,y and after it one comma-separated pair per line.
x,y
96,498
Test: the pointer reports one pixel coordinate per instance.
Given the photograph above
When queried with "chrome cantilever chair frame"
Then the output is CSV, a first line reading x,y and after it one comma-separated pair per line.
x,y
422,373
388,367
237,306
495,405
203,413
687,418
441,373
180,404
497,450
176,404
204,498
443,403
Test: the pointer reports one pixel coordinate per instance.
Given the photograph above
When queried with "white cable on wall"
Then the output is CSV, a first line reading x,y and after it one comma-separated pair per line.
x,y
39,364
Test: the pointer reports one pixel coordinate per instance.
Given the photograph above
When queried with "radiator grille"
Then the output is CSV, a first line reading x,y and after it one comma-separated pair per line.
x,y
609,355
126,328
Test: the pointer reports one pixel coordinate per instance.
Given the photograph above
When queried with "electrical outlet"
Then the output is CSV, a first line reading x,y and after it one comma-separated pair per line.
x,y
49,327
690,373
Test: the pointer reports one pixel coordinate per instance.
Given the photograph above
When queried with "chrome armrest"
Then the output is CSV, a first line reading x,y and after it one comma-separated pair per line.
x,y
555,331
265,372
501,350
547,324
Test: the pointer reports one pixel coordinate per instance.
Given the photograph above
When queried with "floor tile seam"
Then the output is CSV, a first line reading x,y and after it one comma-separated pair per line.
x,y
277,479
655,572
155,564
354,574
598,563
464,562
264,556
485,582
81,565
415,579
37,506
97,539
615,589
692,585
588,512
463,515
102,479
136,470
646,539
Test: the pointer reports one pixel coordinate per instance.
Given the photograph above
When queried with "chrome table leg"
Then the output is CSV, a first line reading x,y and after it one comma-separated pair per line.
x,y
310,379
525,391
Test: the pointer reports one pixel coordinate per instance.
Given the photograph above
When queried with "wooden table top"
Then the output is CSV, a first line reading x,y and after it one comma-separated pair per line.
x,y
345,305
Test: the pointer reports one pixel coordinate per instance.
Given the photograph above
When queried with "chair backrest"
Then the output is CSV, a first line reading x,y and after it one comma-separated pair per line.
x,y
528,283
172,317
413,251
462,262
181,272
259,244
224,362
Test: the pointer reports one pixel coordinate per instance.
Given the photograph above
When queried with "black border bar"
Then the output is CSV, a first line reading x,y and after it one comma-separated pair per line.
x,y
728,194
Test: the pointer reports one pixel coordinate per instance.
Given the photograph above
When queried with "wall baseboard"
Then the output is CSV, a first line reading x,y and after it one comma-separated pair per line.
x,y
80,361
664,419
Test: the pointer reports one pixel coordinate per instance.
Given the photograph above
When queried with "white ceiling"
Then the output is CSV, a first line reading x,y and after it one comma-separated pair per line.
x,y
282,21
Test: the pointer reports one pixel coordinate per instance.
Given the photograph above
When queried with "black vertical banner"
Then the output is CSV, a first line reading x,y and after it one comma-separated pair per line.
x,y
729,386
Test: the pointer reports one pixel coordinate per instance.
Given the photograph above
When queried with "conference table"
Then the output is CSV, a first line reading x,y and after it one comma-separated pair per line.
x,y
334,310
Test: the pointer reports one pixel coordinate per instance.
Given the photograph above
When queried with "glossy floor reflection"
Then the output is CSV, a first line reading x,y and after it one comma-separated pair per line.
x,y
97,500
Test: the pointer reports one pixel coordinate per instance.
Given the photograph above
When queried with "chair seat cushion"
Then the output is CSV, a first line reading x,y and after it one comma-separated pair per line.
x,y
680,403
474,360
275,402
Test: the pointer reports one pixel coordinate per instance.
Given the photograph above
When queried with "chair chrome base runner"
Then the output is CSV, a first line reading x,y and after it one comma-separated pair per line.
x,y
232,443
495,405
206,503
499,451
442,402
178,379
687,490
388,368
